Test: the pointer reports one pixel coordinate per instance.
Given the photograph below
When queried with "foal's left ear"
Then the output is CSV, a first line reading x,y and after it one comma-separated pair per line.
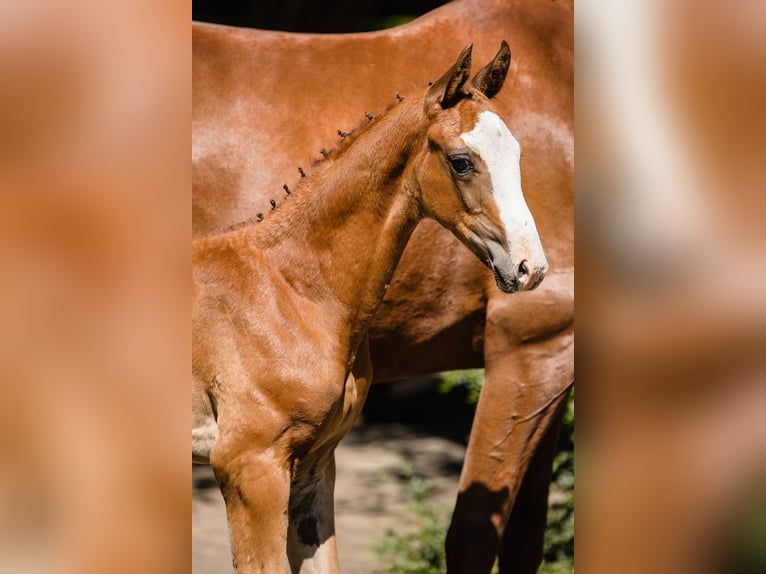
x,y
446,90
491,77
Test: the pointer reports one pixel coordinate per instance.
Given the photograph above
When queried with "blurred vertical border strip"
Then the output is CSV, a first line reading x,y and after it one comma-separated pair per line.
x,y
671,306
94,227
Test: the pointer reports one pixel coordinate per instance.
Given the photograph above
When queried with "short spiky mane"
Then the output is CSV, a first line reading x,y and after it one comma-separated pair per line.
x,y
346,139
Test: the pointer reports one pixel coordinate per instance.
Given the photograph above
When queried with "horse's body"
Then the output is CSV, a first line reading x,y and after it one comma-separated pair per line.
x,y
281,307
256,120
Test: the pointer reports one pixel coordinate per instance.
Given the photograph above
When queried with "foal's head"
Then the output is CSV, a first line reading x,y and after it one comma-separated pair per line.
x,y
469,175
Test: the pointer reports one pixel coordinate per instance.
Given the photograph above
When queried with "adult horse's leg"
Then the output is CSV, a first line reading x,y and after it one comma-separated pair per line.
x,y
311,532
521,548
256,489
528,373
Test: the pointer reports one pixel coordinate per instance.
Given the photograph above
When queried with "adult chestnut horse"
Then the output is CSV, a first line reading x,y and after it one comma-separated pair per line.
x,y
260,111
282,306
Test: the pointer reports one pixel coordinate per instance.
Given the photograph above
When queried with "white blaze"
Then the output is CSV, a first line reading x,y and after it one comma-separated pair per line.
x,y
491,139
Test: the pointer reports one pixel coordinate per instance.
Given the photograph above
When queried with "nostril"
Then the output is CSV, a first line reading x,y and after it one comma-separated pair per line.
x,y
523,270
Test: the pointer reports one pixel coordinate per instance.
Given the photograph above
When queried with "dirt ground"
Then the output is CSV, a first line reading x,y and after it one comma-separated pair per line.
x,y
368,498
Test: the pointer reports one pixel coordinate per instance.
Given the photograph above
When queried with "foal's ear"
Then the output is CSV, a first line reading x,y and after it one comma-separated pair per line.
x,y
491,77
446,90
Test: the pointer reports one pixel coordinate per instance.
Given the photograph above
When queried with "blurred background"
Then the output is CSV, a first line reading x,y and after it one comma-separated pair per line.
x,y
331,16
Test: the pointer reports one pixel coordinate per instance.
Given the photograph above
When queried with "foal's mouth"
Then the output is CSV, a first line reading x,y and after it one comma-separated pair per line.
x,y
504,283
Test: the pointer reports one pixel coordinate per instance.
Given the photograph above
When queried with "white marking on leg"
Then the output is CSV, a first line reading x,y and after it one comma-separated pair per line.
x,y
203,439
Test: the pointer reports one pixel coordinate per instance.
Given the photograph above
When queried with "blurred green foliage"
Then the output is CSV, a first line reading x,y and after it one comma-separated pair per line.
x,y
470,379
391,21
417,547
558,551
747,542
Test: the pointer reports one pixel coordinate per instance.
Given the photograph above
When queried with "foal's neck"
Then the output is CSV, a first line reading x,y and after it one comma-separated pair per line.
x,y
339,237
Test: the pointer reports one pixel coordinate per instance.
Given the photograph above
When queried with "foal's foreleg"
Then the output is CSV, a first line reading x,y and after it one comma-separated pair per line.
x,y
256,489
311,532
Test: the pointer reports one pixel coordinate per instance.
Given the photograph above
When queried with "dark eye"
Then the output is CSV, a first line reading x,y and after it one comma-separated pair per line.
x,y
461,164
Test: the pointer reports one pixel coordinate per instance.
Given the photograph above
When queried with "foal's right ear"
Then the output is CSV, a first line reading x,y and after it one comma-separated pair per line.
x,y
446,90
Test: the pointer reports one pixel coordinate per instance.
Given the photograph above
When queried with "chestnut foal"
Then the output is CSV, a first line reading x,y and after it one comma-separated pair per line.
x,y
281,307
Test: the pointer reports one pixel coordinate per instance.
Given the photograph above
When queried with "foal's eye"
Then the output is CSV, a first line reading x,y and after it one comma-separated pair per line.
x,y
461,164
